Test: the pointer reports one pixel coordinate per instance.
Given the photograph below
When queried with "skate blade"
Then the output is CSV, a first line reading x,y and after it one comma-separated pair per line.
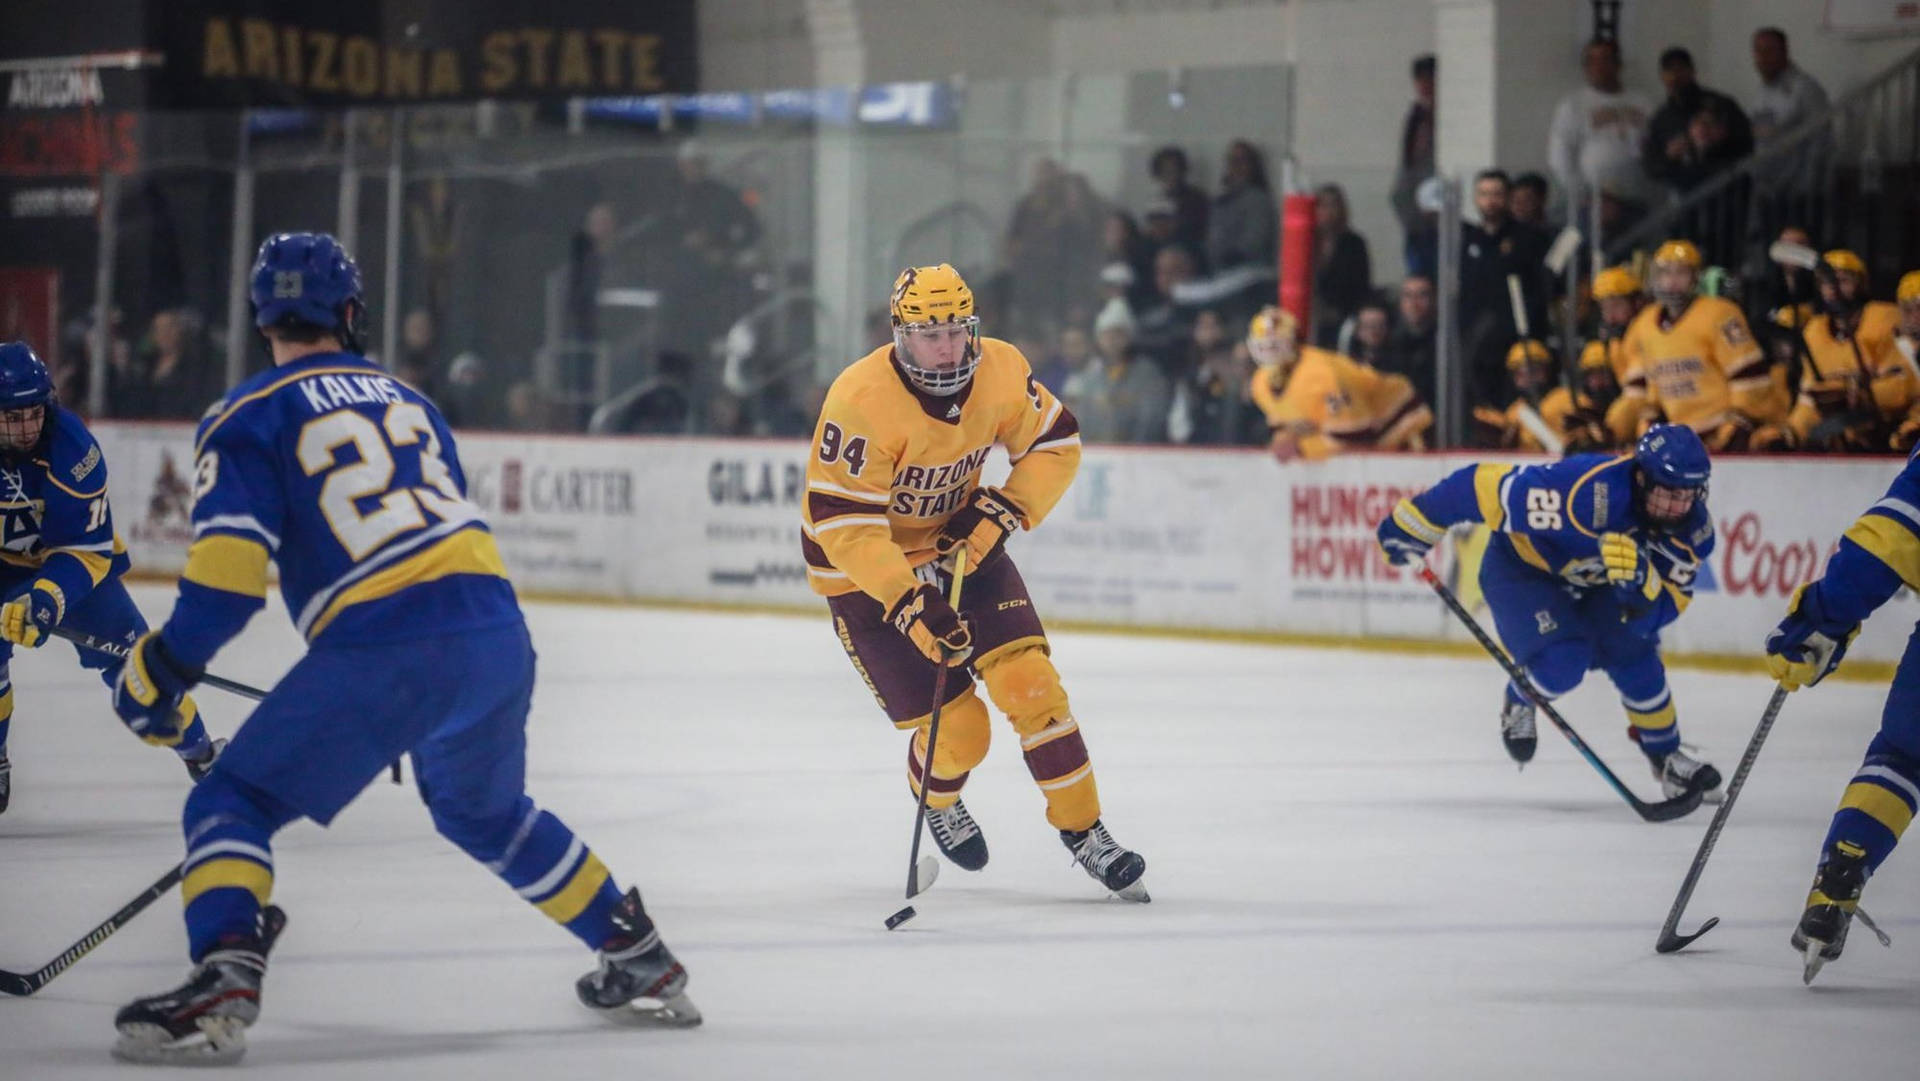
x,y
673,1011
1813,960
221,1041
1135,891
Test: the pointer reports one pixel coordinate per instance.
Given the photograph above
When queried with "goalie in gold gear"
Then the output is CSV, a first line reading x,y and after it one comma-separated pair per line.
x,y
893,487
1693,360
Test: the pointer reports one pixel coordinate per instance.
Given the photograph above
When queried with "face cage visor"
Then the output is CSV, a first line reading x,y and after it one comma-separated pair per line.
x,y
20,428
1664,507
941,382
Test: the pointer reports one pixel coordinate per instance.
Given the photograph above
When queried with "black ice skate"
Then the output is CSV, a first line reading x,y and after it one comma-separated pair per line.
x,y
1517,732
201,764
1110,865
203,1022
1831,906
958,836
6,782
1680,773
638,982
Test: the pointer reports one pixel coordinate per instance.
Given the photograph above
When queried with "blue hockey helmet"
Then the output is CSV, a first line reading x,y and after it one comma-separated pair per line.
x,y
24,383
308,278
1671,470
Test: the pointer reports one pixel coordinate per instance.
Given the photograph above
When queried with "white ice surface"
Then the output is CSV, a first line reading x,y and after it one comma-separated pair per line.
x,y
1350,880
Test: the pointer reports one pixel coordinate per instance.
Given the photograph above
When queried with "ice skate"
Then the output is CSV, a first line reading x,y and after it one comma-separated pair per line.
x,y
1110,865
198,766
638,982
1831,906
958,836
203,1022
1680,773
1517,731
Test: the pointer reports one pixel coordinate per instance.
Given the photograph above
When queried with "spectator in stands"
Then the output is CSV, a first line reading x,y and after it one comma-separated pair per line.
x,y
1419,228
1907,337
1123,245
1243,226
1536,403
587,256
528,409
1789,181
1697,132
466,399
1164,326
418,365
1071,352
713,239
1215,407
1410,349
1342,271
1528,201
1169,169
1492,251
175,376
1053,243
1121,396
1594,141
1788,292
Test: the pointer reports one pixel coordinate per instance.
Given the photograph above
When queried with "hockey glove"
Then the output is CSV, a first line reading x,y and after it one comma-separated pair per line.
x,y
1904,437
1633,578
147,695
27,619
982,525
1406,535
932,625
1806,647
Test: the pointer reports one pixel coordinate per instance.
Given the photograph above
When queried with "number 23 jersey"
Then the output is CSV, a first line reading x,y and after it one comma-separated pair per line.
x,y
347,479
890,464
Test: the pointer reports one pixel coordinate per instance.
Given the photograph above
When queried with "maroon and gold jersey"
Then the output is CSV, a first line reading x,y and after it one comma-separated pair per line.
x,y
890,464
1702,369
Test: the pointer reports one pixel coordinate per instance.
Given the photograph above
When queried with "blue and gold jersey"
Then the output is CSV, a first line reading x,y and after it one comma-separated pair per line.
x,y
56,528
1551,518
348,481
1878,554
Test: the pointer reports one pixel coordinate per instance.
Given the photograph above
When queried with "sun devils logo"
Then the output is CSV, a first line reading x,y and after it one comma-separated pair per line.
x,y
901,286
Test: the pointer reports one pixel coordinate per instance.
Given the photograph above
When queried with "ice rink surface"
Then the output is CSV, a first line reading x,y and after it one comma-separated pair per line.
x,y
1350,880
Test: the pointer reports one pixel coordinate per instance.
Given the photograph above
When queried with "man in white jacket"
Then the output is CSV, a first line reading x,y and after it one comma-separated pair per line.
x,y
1594,142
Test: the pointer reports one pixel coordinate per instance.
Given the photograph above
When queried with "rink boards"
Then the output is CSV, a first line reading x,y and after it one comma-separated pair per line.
x,y
1211,540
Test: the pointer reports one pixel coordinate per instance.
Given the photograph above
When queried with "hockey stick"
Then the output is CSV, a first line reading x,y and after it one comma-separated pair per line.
x,y
26,983
1671,939
1661,811
115,649
918,877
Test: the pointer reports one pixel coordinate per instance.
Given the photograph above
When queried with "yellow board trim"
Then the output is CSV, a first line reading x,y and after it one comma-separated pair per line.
x,y
1879,804
228,563
219,874
1486,489
565,906
1889,542
470,551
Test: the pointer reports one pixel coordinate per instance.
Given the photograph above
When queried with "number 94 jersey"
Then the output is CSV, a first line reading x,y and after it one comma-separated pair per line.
x,y
347,479
891,464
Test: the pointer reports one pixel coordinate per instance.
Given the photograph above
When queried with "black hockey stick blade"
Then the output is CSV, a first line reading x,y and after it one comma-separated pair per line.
x,y
1674,941
21,984
1668,809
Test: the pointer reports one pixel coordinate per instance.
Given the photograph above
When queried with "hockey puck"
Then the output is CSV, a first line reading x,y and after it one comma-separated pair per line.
x,y
900,917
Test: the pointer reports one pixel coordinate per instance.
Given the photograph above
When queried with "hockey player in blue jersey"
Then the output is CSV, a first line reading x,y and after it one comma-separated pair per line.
x,y
1590,557
60,562
1878,554
348,481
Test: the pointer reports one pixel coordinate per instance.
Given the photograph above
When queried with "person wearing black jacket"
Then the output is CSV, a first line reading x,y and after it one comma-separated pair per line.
x,y
1490,252
1671,154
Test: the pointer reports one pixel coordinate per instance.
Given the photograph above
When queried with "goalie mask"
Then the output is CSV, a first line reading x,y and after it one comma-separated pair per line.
x,y
936,335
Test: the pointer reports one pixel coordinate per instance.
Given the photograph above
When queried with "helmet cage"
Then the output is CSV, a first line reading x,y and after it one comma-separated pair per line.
x,y
940,382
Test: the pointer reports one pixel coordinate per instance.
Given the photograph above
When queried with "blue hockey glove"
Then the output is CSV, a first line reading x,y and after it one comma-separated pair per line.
x,y
148,693
1806,647
1406,535
27,619
1633,578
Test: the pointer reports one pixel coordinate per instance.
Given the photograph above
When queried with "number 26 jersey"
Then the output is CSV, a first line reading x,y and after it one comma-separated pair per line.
x,y
347,479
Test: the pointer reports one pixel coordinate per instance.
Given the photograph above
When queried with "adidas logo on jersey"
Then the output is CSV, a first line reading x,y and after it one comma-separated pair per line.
x,y
953,411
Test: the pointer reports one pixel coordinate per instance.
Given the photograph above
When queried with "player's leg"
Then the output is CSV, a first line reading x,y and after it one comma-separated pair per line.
x,y
328,728
471,771
1878,804
1015,662
1540,626
109,613
901,680
1632,661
